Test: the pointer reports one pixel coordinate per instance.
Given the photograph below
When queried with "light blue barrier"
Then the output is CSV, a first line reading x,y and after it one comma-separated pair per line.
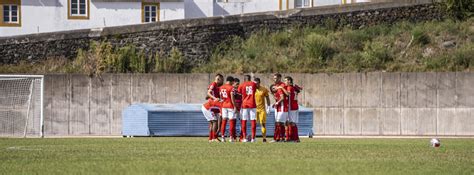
x,y
188,120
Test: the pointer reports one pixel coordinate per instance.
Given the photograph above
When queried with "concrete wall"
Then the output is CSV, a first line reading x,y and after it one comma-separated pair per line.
x,y
344,104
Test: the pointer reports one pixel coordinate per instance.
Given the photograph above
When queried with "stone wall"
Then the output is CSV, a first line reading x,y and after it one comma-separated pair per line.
x,y
380,104
196,38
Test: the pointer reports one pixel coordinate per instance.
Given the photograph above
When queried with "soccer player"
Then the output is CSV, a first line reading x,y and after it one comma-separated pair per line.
x,y
249,107
261,95
292,91
228,108
238,104
211,114
213,95
281,108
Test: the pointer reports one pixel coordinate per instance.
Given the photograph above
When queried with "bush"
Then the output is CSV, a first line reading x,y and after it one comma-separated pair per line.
x,y
172,64
420,37
459,9
354,39
375,55
317,47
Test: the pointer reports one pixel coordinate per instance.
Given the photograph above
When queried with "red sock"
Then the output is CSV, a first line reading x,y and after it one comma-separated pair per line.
x,y
232,129
275,132
289,135
295,132
282,131
224,123
210,131
254,128
244,129
287,132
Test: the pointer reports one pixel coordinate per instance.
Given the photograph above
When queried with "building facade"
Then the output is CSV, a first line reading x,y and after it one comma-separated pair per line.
x,y
20,17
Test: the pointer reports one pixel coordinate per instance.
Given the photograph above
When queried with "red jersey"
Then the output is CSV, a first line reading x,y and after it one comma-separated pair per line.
x,y
247,89
214,90
283,105
212,105
292,98
226,92
237,99
276,85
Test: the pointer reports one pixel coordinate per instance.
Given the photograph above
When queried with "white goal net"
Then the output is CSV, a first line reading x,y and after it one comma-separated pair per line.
x,y
21,105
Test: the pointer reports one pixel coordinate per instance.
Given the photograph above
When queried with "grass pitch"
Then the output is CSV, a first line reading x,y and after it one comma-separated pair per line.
x,y
196,156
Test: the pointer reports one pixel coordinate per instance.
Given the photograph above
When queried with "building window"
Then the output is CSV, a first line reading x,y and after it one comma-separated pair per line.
x,y
10,13
302,3
150,12
78,9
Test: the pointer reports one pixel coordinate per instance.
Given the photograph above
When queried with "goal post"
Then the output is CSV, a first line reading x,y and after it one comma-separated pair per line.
x,y
21,105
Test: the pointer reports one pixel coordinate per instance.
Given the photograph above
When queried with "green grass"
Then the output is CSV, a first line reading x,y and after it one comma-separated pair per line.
x,y
196,156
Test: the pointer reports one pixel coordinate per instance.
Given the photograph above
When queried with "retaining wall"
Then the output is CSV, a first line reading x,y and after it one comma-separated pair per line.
x,y
197,38
344,104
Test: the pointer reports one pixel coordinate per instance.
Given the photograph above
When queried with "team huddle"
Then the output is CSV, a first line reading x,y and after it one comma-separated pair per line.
x,y
231,100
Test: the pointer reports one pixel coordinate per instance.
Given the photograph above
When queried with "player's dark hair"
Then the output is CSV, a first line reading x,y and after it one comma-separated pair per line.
x,y
229,78
236,80
219,75
247,78
289,79
271,88
277,75
256,80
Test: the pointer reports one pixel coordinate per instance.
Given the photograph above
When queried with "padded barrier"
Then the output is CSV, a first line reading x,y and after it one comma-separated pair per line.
x,y
188,120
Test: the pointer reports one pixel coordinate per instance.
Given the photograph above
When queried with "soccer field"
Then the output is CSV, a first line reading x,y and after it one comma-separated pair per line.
x,y
195,156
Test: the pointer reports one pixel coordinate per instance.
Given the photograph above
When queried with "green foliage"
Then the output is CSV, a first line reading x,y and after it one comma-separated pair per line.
x,y
172,64
330,24
281,39
459,9
420,37
101,57
460,60
355,39
403,46
398,47
376,54
317,47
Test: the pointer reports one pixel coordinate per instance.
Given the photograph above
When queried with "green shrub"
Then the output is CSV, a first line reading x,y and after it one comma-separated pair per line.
x,y
459,9
317,47
281,39
174,63
420,37
376,55
354,39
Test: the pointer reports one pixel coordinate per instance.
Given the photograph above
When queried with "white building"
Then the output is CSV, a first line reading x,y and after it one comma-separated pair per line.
x,y
19,17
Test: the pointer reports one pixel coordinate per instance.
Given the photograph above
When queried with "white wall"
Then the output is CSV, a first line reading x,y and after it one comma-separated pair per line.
x,y
318,3
171,11
233,7
51,15
40,17
198,8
